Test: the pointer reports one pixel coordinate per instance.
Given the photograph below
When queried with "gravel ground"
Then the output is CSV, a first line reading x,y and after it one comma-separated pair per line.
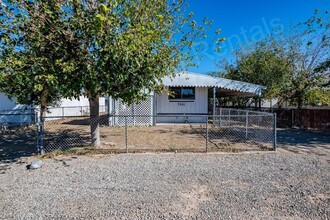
x,y
281,185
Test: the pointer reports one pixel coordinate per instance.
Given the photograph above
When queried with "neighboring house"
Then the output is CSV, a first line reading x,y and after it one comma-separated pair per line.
x,y
11,112
8,104
73,107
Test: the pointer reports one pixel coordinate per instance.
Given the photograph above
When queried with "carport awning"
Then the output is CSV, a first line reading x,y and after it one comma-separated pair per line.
x,y
226,86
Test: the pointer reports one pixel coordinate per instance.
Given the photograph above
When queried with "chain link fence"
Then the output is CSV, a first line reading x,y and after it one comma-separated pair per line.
x,y
19,134
64,111
232,131
242,128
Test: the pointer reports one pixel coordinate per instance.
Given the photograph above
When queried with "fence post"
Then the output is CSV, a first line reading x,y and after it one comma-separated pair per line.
x,y
109,111
292,118
275,132
126,134
220,115
207,134
154,109
246,124
62,112
37,131
229,118
42,151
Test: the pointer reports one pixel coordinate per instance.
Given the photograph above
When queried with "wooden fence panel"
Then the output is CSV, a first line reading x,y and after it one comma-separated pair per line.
x,y
318,119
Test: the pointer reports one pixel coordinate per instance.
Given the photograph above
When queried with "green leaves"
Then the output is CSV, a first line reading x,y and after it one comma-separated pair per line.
x,y
38,87
106,47
100,18
161,17
104,9
293,66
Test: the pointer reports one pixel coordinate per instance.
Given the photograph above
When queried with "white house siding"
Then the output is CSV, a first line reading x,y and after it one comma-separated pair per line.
x,y
74,107
6,103
167,107
12,113
197,106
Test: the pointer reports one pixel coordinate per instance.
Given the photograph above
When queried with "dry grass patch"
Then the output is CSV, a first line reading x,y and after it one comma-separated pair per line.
x,y
67,134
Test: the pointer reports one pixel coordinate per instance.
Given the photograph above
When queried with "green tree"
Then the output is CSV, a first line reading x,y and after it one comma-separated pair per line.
x,y
293,66
260,63
307,48
324,68
102,48
33,53
263,64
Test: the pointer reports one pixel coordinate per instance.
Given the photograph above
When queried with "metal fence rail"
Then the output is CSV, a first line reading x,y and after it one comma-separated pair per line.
x,y
56,111
64,111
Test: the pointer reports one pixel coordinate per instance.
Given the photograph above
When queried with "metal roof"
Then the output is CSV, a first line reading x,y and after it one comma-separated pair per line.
x,y
200,80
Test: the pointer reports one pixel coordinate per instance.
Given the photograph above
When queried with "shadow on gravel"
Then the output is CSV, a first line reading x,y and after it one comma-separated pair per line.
x,y
297,140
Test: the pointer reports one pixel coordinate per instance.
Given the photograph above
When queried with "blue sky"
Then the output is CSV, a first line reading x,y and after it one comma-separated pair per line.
x,y
241,20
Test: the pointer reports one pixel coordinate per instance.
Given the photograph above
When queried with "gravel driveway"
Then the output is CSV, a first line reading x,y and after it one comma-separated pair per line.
x,y
281,185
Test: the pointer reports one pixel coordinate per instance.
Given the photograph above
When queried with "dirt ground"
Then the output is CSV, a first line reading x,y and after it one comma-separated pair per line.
x,y
68,134
20,142
64,135
173,138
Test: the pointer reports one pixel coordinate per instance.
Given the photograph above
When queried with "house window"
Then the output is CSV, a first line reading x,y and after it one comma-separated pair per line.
x,y
182,93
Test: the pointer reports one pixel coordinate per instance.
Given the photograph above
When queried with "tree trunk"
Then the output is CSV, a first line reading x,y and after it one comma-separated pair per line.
x,y
43,102
43,109
95,121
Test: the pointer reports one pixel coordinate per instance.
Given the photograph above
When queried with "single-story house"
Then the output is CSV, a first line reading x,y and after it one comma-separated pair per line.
x,y
187,94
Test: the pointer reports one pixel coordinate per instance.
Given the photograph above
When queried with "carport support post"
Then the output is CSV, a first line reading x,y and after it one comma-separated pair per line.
x,y
214,97
259,101
207,134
